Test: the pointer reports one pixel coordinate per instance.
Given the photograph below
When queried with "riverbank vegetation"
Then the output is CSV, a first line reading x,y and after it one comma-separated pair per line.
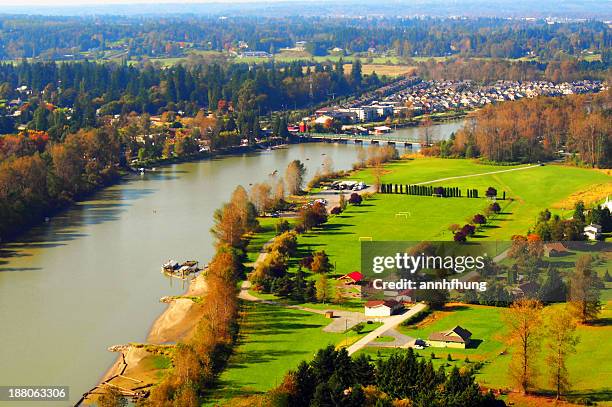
x,y
198,360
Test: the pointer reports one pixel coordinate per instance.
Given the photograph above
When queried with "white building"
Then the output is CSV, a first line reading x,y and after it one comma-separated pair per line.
x,y
381,308
364,113
592,231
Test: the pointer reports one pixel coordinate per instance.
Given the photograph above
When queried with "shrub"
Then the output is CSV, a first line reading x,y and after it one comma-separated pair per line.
x,y
479,219
282,226
460,236
494,207
355,199
357,328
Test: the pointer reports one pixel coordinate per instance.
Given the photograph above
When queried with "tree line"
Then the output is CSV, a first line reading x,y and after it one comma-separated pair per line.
x,y
70,96
198,360
333,378
66,37
530,130
38,177
459,68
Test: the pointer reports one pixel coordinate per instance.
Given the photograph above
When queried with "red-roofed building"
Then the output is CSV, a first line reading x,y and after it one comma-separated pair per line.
x,y
352,277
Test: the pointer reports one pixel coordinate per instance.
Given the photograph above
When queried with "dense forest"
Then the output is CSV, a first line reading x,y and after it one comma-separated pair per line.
x,y
90,89
531,130
67,37
491,70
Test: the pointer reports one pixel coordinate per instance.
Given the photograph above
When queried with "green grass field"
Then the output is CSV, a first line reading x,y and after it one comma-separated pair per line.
x,y
484,322
532,190
273,337
273,340
590,367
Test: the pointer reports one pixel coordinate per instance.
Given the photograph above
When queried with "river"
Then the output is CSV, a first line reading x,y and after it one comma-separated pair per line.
x,y
89,278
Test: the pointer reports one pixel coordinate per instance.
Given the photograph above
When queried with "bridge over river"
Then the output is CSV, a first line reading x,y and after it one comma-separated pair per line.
x,y
388,138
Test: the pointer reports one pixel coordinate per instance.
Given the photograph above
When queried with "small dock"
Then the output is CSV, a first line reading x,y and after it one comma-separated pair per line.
x,y
183,271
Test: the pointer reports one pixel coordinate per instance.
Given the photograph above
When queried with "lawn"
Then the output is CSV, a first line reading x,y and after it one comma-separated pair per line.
x,y
267,231
273,340
484,322
376,218
428,218
590,367
532,190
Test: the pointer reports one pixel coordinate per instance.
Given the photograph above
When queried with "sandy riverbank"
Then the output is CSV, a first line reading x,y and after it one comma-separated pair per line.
x,y
133,368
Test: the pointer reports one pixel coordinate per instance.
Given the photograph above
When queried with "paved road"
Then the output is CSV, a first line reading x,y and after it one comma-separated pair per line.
x,y
478,175
389,323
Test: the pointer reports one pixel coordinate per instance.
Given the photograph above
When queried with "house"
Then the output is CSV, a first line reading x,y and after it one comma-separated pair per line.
x,y
592,231
381,308
405,296
382,129
457,337
352,277
555,249
324,120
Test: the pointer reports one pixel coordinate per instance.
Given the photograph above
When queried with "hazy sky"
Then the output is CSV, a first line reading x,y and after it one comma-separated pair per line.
x,y
97,2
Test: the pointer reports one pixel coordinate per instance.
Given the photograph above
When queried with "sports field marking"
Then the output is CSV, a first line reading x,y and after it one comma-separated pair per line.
x,y
365,238
478,175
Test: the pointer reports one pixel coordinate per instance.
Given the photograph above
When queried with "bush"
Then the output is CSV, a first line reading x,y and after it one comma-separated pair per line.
x,y
460,236
282,226
355,199
479,219
495,208
357,328
336,210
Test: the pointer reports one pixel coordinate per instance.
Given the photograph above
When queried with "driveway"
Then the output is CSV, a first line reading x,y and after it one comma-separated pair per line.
x,y
388,324
344,320
400,341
